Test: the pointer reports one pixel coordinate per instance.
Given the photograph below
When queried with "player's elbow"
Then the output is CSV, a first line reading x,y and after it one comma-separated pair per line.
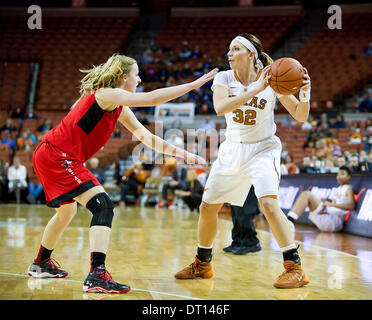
x,y
219,111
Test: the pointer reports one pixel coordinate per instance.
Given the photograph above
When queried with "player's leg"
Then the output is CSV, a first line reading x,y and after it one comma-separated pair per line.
x,y
43,266
304,200
293,276
100,205
207,230
265,179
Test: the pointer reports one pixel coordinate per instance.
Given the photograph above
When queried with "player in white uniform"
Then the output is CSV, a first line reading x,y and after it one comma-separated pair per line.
x,y
250,155
327,214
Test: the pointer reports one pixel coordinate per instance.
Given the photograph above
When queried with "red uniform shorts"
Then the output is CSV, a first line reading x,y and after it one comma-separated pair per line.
x,y
62,177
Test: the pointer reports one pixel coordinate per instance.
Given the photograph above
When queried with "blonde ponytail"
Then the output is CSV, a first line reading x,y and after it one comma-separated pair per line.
x,y
106,74
266,59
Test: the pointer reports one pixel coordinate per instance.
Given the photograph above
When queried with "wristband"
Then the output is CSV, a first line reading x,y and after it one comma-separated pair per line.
x,y
304,95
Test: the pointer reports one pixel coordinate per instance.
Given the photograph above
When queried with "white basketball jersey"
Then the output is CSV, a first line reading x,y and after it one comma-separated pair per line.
x,y
340,197
253,121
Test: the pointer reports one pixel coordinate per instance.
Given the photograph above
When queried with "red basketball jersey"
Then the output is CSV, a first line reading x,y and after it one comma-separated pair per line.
x,y
84,130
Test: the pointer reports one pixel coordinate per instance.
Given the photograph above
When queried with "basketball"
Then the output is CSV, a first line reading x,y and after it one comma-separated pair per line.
x,y
286,76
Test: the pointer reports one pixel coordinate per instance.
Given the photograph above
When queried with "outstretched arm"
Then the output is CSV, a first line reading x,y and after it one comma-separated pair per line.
x,y
116,96
224,104
129,120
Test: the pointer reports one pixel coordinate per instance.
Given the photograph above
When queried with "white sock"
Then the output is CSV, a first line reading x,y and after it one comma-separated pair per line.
x,y
292,215
205,247
291,246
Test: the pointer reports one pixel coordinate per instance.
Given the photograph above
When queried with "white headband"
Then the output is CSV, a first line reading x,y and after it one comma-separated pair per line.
x,y
246,43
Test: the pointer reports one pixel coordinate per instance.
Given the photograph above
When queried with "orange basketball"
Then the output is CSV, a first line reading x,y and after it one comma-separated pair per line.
x,y
286,76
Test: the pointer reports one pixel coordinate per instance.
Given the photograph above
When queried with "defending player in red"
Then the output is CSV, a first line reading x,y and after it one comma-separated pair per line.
x,y
106,92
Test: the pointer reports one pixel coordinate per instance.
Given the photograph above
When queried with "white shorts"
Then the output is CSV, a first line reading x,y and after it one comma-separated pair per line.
x,y
238,166
329,222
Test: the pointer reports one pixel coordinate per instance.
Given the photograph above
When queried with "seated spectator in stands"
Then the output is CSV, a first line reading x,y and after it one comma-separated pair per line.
x,y
26,141
324,131
323,120
99,173
311,138
307,166
8,126
365,104
329,165
3,184
30,114
196,53
356,136
334,147
135,178
321,149
341,161
184,54
45,126
288,122
9,141
208,124
186,71
170,57
289,167
178,182
191,193
354,165
327,214
18,114
17,175
339,123
369,163
367,138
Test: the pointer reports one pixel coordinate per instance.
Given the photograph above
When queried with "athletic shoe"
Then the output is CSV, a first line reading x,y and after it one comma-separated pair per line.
x,y
245,250
100,280
48,268
197,269
230,248
292,277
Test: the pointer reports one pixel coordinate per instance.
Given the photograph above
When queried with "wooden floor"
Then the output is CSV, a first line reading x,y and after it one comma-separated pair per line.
x,y
149,245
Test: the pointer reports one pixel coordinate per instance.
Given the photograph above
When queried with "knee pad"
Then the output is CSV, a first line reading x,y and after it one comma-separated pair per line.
x,y
102,209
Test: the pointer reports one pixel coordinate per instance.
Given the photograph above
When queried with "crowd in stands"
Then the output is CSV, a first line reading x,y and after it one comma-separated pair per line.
x,y
162,66
327,154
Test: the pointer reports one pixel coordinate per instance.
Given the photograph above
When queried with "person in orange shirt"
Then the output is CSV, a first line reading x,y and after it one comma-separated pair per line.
x,y
134,180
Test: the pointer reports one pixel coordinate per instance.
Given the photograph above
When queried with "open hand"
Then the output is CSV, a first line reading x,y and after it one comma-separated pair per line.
x,y
263,81
205,78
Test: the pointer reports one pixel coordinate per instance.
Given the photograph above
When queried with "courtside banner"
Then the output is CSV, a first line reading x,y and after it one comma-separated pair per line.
x,y
169,112
359,221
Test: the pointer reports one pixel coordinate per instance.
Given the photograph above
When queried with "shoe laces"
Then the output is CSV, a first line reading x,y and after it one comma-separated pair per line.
x,y
52,262
106,275
290,269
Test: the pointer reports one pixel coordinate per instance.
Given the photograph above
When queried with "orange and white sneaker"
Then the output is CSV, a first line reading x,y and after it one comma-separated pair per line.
x,y
292,277
197,269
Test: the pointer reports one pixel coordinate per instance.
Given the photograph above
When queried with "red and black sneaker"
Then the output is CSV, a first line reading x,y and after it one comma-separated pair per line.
x,y
100,280
48,268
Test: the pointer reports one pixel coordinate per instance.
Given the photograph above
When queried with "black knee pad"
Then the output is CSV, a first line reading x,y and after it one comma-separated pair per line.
x,y
102,209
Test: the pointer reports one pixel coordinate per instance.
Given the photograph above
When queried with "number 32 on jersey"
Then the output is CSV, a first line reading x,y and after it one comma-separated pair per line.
x,y
248,117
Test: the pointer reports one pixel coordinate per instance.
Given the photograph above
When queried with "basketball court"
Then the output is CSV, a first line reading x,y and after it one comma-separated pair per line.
x,y
149,245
